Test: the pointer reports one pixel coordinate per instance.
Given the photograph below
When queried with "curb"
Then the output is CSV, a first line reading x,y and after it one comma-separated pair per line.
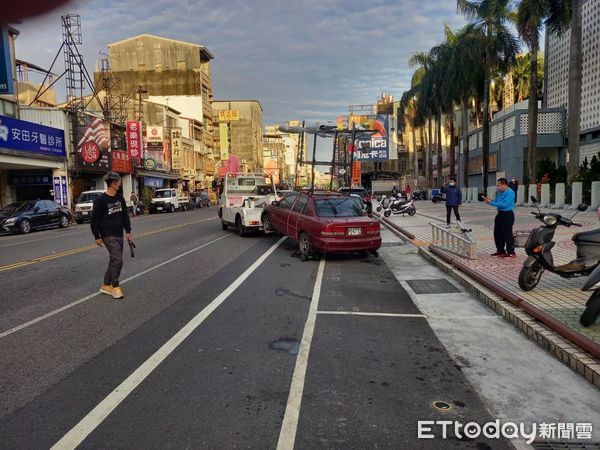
x,y
580,361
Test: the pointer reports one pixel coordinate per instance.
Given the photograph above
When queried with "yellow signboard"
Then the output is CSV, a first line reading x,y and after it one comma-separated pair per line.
x,y
224,141
229,115
176,148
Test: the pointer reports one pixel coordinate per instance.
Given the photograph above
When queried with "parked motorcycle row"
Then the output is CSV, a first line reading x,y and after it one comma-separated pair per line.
x,y
539,258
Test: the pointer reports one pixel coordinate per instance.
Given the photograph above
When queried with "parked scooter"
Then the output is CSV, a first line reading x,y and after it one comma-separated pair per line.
x,y
592,307
386,200
539,249
400,205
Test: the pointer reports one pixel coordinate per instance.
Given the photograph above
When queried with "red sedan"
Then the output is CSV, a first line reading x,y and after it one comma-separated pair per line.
x,y
323,223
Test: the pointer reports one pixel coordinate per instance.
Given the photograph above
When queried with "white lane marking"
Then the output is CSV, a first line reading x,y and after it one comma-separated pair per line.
x,y
358,313
287,435
81,300
97,415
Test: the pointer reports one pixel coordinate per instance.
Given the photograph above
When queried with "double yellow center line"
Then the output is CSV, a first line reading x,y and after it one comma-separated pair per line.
x,y
85,248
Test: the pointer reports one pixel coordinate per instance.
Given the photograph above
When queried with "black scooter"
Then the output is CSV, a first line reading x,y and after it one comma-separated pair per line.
x,y
592,307
539,249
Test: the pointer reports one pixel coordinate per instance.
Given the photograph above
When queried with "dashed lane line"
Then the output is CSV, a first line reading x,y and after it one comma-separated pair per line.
x,y
88,297
85,248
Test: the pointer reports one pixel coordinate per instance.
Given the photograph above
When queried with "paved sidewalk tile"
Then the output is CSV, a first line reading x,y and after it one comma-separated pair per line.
x,y
560,297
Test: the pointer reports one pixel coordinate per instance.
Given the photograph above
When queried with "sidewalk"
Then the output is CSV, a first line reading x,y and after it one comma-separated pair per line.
x,y
559,297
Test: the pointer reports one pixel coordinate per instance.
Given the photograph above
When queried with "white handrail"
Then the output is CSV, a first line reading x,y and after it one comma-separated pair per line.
x,y
453,243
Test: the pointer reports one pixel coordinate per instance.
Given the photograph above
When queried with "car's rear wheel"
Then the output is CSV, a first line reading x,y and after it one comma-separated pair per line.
x,y
63,222
240,227
305,246
25,226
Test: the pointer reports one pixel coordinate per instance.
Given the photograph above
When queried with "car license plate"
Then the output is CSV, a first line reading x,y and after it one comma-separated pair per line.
x,y
354,231
84,213
159,208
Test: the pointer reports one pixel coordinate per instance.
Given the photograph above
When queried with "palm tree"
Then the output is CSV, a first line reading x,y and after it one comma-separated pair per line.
x,y
464,80
531,16
490,17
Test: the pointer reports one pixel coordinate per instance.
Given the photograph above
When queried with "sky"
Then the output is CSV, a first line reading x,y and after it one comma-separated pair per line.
x,y
303,60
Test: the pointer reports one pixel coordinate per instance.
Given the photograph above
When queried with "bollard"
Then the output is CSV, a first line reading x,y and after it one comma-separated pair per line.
x,y
491,192
474,194
520,195
464,192
532,193
595,195
559,199
545,201
577,194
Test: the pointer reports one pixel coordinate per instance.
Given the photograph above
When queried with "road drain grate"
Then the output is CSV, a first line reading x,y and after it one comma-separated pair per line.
x,y
432,287
564,445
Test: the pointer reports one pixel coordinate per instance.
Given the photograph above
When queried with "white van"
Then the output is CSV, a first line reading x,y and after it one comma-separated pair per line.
x,y
83,207
164,200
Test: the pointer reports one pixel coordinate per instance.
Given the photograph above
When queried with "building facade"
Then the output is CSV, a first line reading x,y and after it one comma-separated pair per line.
x,y
557,76
240,132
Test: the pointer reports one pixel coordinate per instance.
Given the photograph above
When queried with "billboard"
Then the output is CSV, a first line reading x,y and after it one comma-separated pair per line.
x,y
6,73
92,137
154,138
223,141
377,146
176,153
229,115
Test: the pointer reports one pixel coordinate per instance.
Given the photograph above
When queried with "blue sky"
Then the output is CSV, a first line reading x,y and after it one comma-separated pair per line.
x,y
305,60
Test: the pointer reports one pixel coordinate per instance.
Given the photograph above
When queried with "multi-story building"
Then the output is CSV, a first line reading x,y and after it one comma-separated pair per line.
x,y
177,76
291,146
240,130
557,76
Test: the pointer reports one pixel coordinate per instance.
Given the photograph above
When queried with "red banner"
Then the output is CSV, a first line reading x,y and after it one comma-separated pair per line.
x,y
120,162
355,173
134,139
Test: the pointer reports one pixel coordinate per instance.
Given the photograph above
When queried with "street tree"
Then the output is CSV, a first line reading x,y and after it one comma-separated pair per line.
x,y
531,16
490,18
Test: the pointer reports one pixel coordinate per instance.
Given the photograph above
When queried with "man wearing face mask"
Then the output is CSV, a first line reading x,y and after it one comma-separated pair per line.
x,y
505,219
453,200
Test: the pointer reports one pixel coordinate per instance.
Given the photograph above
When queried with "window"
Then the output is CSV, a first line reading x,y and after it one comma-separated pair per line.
x,y
49,205
338,207
287,201
300,205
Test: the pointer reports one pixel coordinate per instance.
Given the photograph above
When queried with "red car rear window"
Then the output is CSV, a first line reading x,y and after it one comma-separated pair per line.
x,y
338,207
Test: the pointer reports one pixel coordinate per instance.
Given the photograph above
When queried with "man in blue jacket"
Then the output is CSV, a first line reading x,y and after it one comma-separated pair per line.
x,y
505,219
453,200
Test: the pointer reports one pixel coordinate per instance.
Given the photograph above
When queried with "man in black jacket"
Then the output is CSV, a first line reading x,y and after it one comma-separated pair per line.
x,y
109,219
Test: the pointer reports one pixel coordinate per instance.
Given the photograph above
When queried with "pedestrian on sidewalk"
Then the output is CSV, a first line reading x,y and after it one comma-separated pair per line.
x,y
109,219
453,200
134,203
408,192
514,185
505,219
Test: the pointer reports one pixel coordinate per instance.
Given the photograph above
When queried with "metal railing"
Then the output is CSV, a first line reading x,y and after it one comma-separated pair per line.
x,y
445,240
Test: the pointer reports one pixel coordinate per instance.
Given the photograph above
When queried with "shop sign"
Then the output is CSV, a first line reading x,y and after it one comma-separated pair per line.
x,y
176,156
6,73
149,164
92,137
30,137
90,152
134,138
120,162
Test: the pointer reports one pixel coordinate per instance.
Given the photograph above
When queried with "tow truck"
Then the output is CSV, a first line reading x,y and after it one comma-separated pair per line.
x,y
242,197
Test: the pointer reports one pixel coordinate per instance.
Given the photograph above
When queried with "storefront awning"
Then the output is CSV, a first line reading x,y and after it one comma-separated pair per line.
x,y
165,176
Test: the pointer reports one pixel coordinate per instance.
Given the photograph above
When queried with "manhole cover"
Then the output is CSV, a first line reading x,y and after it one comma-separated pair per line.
x,y
286,345
564,445
432,287
391,244
442,406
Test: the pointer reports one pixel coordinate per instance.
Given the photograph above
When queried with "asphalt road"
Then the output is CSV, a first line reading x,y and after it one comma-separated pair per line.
x,y
220,342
